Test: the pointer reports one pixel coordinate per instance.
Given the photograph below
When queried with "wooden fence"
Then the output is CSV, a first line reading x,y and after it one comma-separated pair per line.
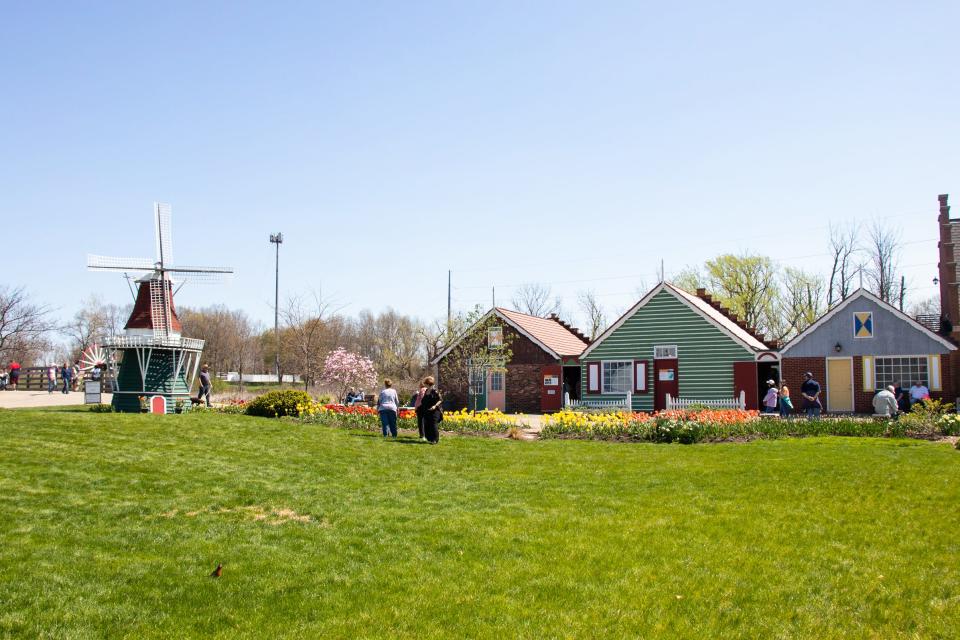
x,y
35,379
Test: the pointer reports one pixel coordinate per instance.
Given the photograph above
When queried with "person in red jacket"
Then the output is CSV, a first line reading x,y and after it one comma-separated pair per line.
x,y
14,374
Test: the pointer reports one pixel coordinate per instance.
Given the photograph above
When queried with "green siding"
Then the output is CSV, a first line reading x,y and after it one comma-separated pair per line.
x,y
705,354
159,382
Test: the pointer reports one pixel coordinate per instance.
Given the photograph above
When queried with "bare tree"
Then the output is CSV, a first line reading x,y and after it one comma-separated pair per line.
x,y
309,334
535,300
928,307
883,252
593,311
798,305
24,325
844,246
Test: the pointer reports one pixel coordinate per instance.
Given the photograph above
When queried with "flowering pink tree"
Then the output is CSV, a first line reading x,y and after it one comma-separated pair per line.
x,y
344,369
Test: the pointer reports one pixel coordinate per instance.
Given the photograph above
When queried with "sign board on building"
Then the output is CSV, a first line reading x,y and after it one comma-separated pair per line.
x,y
666,375
495,337
551,381
92,390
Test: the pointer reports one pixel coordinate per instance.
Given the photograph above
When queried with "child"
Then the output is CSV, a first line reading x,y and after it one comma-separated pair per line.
x,y
786,405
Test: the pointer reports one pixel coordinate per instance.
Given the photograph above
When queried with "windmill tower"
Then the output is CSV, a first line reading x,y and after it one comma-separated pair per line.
x,y
156,361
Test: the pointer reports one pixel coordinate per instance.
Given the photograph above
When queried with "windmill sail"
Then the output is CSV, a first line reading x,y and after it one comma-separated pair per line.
x,y
111,263
162,225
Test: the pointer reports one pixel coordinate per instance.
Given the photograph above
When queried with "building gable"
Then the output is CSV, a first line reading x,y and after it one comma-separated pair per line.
x,y
864,325
664,319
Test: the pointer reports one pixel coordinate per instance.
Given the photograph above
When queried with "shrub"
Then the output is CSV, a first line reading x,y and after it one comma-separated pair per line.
x,y
277,404
949,424
927,419
101,408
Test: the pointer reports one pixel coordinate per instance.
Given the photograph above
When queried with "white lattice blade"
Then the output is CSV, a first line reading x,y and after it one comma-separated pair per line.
x,y
189,269
112,263
202,278
161,214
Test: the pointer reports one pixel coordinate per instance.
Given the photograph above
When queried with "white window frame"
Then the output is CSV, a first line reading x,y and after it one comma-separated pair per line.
x,y
495,343
924,357
665,346
493,376
603,376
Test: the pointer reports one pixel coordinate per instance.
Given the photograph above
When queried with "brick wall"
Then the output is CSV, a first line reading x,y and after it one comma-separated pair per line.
x,y
791,373
522,382
523,388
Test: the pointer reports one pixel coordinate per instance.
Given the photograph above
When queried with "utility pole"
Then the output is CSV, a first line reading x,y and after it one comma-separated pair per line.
x,y
277,239
903,290
494,293
449,300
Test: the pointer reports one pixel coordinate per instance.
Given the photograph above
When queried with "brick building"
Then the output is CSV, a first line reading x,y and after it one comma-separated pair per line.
x,y
864,344
544,355
949,277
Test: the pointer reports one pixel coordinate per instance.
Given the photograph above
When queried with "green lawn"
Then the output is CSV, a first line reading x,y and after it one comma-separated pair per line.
x,y
110,525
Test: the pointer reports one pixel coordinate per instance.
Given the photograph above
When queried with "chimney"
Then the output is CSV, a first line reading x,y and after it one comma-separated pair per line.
x,y
947,267
701,292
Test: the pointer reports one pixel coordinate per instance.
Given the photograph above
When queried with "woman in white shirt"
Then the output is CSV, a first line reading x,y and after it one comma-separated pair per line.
x,y
387,406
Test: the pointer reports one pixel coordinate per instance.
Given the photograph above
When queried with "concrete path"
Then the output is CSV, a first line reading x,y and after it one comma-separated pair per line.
x,y
33,399
530,422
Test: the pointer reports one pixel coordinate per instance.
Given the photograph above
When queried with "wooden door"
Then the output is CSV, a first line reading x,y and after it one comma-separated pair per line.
x,y
496,390
158,404
745,379
839,384
551,387
666,379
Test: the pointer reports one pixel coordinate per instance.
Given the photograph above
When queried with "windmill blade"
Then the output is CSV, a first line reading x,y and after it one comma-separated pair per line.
x,y
161,214
199,270
110,263
201,278
160,308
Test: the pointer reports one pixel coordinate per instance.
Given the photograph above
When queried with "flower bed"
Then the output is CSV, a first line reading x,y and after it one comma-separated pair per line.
x,y
367,418
722,425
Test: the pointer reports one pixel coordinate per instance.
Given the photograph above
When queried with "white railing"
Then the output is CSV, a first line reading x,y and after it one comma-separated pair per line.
x,y
726,403
624,403
138,341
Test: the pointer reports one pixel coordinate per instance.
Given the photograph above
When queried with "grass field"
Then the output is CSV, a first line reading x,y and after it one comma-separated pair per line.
x,y
110,525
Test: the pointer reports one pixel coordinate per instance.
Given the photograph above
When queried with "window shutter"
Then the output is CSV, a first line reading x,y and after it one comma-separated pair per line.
x,y
640,376
593,377
933,367
868,383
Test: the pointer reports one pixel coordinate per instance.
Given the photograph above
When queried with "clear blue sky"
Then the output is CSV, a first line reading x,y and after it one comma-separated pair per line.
x,y
566,142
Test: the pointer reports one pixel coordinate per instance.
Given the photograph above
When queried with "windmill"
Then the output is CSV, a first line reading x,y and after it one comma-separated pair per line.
x,y
157,363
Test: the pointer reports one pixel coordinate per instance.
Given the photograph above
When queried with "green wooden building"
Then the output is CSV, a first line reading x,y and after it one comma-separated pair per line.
x,y
674,348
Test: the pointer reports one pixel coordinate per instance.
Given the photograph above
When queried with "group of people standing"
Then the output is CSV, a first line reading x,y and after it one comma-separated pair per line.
x,y
68,373
890,401
426,402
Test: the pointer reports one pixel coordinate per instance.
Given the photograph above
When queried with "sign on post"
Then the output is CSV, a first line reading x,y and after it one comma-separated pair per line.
x,y
92,391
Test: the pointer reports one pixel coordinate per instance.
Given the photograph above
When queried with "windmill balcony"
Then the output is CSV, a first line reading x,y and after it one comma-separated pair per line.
x,y
141,341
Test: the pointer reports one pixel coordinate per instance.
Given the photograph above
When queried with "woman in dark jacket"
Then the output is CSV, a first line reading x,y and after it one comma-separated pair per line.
x,y
430,411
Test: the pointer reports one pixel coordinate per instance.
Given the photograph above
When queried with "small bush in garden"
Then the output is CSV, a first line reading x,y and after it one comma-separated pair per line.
x,y
101,408
924,418
277,404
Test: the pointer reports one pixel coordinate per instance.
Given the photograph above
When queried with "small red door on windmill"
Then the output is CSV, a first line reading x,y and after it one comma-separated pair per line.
x,y
158,404
551,387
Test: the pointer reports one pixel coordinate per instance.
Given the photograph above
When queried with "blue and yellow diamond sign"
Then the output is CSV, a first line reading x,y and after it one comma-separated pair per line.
x,y
863,324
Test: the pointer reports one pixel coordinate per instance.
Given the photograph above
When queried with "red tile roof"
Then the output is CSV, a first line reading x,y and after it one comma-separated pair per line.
x,y
547,331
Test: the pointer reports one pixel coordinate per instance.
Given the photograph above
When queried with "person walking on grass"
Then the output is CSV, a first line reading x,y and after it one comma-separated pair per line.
x,y
51,378
430,410
810,390
786,405
770,400
206,385
388,404
67,373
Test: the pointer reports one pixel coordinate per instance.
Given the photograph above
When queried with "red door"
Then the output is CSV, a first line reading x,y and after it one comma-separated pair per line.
x,y
665,380
745,379
158,404
551,387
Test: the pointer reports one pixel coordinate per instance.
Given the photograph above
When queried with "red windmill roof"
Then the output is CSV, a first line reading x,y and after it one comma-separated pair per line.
x,y
142,317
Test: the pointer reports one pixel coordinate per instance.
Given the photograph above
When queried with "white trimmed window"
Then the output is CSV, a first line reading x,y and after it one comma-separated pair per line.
x,y
665,352
478,381
617,376
496,381
903,369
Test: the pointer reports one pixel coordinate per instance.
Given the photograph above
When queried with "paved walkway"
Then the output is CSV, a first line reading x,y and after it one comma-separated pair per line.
x,y
531,423
33,399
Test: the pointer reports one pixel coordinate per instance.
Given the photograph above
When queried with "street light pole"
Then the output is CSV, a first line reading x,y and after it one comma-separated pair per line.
x,y
277,239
